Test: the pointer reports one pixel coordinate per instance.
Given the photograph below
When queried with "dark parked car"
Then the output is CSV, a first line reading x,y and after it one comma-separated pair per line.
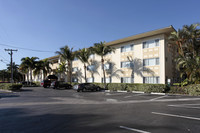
x,y
88,86
49,79
46,83
60,84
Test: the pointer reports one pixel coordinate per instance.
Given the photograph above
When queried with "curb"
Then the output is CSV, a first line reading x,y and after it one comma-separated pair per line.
x,y
141,92
121,91
155,93
1,90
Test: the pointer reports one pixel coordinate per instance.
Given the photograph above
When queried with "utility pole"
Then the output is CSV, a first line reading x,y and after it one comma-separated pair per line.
x,y
11,61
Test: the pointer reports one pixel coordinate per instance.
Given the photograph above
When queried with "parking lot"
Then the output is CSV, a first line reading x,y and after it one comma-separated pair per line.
x,y
48,110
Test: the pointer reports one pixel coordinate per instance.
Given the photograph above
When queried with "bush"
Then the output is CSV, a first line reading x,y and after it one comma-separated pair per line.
x,y
135,87
10,86
193,90
147,87
177,90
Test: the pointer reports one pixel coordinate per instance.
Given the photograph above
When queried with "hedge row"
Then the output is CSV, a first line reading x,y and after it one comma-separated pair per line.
x,y
193,90
135,87
10,86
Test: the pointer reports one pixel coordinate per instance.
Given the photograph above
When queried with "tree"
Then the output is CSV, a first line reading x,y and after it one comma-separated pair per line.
x,y
83,55
44,66
62,68
67,54
29,63
17,76
102,49
187,40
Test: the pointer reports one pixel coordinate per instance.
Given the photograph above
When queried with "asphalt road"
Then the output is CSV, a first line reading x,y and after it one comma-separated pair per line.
x,y
39,110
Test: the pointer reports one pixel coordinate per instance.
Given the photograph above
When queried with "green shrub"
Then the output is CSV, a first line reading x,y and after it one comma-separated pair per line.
x,y
135,87
193,90
177,90
10,86
147,87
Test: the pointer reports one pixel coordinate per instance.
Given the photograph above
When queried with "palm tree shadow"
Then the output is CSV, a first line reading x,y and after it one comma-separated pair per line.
x,y
79,75
138,68
96,65
113,71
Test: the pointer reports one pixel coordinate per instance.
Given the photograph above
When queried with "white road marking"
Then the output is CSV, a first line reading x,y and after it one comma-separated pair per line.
x,y
179,116
111,100
127,96
190,106
157,98
132,129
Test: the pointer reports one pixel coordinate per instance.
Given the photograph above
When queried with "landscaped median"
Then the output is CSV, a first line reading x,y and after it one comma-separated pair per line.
x,y
146,88
10,86
193,90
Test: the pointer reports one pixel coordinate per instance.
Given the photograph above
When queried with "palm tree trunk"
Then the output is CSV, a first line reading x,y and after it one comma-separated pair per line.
x,y
70,72
85,73
30,75
104,74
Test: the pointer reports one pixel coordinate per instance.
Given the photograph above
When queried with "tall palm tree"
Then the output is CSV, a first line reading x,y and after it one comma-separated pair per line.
x,y
188,43
83,55
23,69
102,49
29,63
67,54
17,76
62,69
44,66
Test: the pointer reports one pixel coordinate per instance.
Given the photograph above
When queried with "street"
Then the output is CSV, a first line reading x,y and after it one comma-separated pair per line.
x,y
41,110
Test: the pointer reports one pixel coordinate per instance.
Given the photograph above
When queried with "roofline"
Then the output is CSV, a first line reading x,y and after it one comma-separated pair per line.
x,y
142,35
52,57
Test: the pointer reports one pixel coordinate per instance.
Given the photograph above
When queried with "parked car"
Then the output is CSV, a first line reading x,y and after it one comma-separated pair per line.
x,y
60,84
49,79
87,87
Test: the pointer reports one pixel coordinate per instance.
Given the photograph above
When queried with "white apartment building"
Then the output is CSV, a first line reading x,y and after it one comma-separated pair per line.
x,y
142,58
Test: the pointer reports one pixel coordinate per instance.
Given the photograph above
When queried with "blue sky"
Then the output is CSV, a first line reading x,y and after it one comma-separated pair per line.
x,y
48,25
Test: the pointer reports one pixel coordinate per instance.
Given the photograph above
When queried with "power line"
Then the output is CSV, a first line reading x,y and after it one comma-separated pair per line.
x,y
4,58
25,48
3,61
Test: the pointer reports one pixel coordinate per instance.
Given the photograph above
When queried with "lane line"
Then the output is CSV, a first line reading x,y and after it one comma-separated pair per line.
x,y
190,104
133,129
158,98
184,106
179,116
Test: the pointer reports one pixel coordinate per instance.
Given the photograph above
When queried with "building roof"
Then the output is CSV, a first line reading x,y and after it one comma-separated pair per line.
x,y
53,57
142,35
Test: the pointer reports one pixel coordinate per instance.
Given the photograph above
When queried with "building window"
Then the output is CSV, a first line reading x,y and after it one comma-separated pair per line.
x,y
151,62
151,80
151,44
127,64
74,80
108,80
91,68
91,56
74,69
107,66
127,48
90,80
127,80
75,59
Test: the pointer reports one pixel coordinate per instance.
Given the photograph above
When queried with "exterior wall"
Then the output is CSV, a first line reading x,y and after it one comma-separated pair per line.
x,y
136,55
164,70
